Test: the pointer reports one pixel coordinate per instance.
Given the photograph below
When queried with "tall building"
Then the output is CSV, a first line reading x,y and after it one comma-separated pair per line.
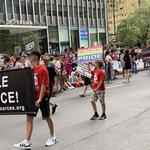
x,y
67,23
118,10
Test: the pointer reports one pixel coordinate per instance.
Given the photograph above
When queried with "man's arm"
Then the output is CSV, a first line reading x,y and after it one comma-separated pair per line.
x,y
99,85
42,93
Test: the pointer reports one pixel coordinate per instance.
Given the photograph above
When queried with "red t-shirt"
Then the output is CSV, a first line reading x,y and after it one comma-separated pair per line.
x,y
41,77
98,75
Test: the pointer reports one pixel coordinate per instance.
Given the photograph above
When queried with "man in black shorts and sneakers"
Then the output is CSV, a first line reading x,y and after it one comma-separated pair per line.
x,y
42,102
53,81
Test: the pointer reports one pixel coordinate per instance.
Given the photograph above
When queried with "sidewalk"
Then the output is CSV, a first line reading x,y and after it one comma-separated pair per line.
x,y
140,66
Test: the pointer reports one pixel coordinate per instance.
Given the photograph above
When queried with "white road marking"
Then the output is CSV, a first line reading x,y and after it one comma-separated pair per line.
x,y
114,86
109,87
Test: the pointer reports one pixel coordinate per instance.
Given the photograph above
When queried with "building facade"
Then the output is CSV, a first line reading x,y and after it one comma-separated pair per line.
x,y
119,10
68,23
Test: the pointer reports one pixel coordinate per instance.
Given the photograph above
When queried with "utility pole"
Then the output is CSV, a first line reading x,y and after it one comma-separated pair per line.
x,y
114,16
139,2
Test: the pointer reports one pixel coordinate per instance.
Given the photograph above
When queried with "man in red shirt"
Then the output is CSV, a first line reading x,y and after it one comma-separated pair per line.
x,y
98,90
41,78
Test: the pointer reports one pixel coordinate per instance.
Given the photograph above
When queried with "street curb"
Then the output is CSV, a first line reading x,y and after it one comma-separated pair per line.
x,y
139,70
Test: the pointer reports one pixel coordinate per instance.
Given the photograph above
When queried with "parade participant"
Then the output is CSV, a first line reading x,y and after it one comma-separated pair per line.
x,y
98,90
87,82
53,80
42,102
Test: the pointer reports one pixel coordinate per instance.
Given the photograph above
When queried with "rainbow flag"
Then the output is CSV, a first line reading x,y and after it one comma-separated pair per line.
x,y
90,54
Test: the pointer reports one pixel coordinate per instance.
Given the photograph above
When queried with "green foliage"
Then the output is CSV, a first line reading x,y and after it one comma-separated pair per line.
x,y
32,36
7,44
136,26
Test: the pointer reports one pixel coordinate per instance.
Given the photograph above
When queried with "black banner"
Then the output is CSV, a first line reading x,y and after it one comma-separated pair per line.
x,y
17,92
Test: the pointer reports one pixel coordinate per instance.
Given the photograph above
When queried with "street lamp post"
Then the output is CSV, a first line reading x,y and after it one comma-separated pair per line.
x,y
114,16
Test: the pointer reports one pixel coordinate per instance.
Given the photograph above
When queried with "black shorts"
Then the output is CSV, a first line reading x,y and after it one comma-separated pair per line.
x,y
44,107
127,67
87,81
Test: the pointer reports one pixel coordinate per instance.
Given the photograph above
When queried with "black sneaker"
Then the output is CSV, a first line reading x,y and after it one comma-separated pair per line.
x,y
103,117
54,109
95,116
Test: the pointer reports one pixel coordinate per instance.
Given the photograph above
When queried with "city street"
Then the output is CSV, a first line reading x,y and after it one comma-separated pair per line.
x,y
127,126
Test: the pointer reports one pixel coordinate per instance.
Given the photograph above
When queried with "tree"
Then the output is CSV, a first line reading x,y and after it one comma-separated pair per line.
x,y
136,26
32,36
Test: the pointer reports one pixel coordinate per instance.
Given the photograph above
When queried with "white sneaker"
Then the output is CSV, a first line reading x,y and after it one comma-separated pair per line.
x,y
125,81
71,87
51,141
23,145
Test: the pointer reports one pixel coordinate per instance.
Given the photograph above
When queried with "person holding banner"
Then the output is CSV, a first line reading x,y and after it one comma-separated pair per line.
x,y
41,78
98,90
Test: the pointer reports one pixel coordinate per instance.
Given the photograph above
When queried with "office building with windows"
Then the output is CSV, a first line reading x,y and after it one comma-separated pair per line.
x,y
62,23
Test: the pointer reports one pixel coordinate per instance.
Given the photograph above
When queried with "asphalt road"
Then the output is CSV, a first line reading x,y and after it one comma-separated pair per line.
x,y
126,128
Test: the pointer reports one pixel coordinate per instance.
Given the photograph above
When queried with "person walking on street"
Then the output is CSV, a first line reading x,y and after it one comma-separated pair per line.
x,y
53,81
127,60
98,90
42,102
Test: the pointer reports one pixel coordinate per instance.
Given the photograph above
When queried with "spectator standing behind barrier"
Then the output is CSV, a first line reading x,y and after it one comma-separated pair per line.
x,y
122,62
134,61
68,63
115,63
58,67
108,66
7,63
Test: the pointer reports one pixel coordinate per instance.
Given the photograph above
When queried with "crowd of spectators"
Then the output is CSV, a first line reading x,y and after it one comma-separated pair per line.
x,y
64,75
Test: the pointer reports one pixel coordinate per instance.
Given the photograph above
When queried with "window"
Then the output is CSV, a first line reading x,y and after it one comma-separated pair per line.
x,y
75,11
16,6
36,6
90,12
85,12
65,11
60,10
99,13
30,10
23,6
80,12
94,12
103,13
49,10
2,6
9,6
70,11
54,10
43,7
